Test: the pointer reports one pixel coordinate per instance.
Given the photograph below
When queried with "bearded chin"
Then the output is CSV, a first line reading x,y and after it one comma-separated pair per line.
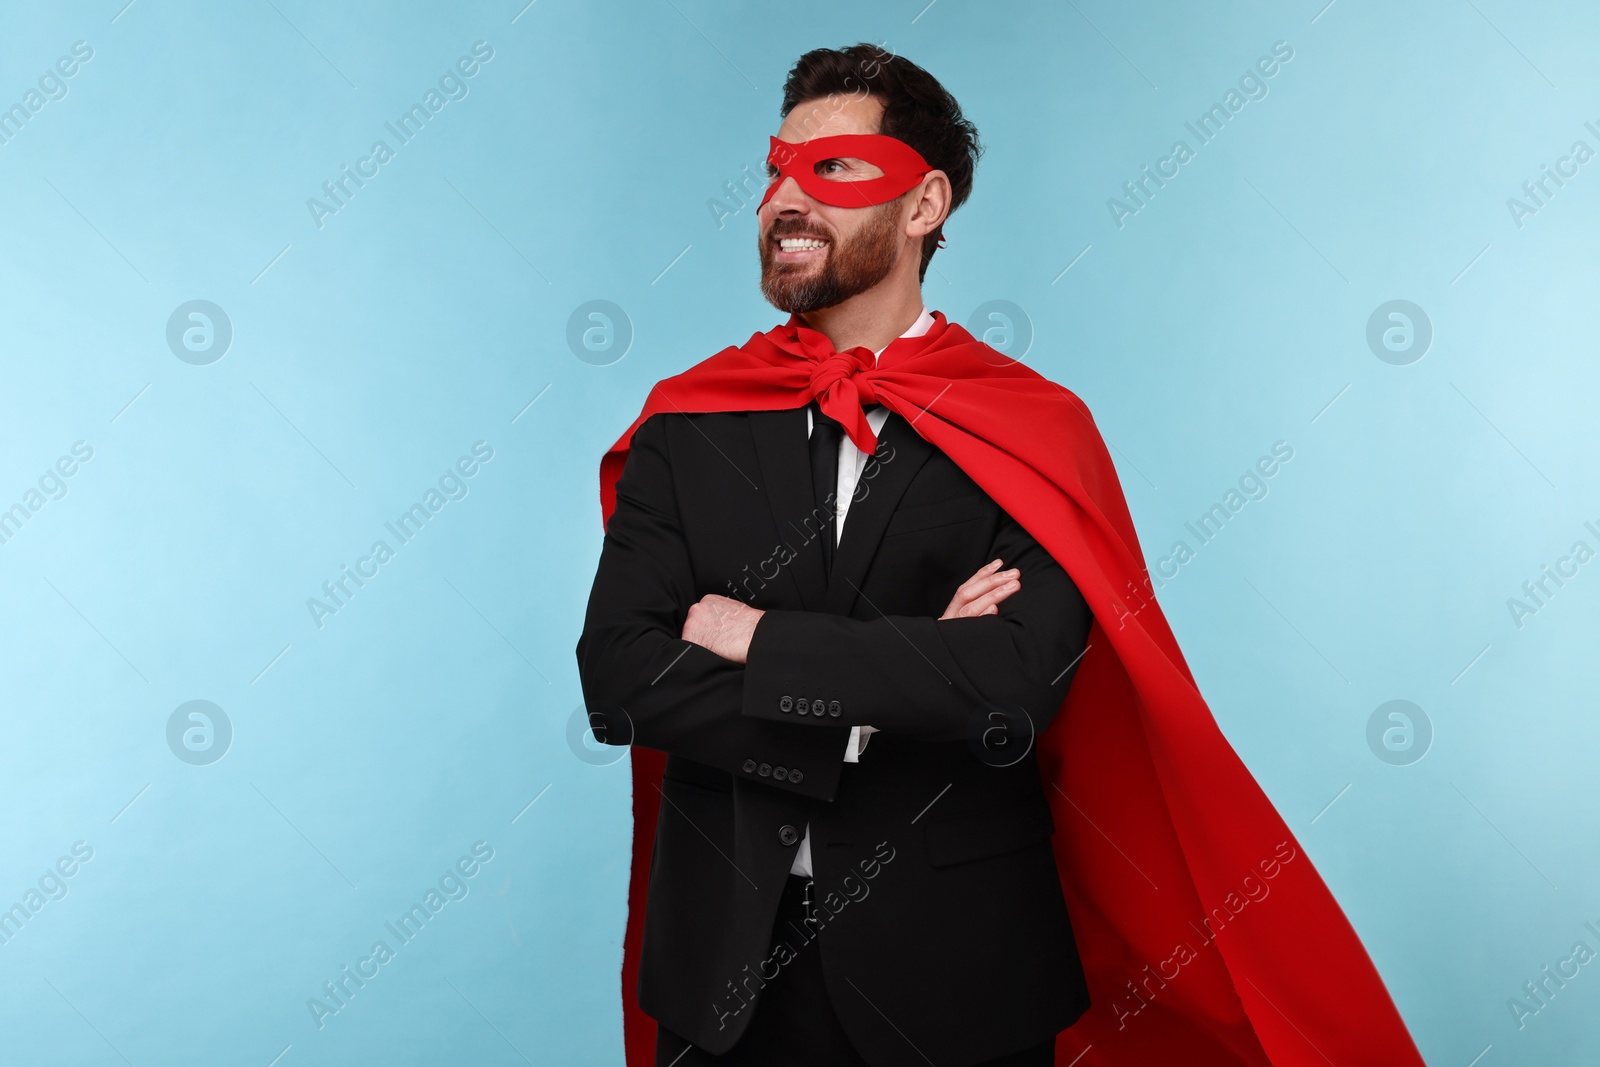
x,y
850,268
787,291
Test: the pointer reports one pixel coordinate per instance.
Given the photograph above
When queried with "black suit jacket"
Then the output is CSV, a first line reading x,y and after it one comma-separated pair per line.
x,y
943,928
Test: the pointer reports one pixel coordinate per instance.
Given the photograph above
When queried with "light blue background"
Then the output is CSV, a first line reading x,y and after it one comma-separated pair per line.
x,y
369,353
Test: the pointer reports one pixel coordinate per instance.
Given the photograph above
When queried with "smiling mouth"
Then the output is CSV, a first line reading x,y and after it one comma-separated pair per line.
x,y
798,249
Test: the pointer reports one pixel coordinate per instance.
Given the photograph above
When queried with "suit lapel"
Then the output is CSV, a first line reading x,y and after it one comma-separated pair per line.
x,y
780,438
901,453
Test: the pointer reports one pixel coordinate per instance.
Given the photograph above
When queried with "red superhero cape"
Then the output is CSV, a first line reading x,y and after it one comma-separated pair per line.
x,y
1208,937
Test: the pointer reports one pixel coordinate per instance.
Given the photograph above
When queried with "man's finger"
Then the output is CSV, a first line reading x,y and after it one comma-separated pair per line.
x,y
986,569
984,581
963,603
988,584
980,584
980,604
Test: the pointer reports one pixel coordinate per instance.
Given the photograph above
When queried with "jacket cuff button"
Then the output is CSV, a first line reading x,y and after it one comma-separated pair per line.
x,y
749,766
835,708
785,703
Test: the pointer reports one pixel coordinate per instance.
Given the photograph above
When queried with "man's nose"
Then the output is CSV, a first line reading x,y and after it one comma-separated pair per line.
x,y
787,196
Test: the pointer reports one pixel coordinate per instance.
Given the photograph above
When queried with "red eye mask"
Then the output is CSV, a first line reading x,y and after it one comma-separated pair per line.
x,y
902,166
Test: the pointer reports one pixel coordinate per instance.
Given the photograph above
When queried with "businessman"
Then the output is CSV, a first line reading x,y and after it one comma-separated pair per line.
x,y
853,572
815,637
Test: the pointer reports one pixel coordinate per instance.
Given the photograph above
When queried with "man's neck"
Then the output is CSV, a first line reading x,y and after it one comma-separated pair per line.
x,y
868,323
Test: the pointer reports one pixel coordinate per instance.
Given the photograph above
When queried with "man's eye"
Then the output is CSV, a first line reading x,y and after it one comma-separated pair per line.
x,y
829,165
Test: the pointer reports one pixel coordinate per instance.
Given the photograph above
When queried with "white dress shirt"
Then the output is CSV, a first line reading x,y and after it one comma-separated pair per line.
x,y
852,461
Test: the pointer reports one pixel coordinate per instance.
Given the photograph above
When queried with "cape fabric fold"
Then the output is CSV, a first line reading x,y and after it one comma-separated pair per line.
x,y
1208,937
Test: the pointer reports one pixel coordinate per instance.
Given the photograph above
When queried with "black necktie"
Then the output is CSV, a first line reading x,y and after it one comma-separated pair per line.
x,y
826,434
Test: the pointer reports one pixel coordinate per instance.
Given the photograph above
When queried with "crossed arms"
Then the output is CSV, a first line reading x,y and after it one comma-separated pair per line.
x,y
705,677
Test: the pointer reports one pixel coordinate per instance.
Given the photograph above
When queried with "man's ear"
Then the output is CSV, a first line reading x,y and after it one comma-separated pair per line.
x,y
931,204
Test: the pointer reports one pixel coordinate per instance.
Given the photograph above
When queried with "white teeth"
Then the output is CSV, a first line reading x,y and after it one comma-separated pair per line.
x,y
799,244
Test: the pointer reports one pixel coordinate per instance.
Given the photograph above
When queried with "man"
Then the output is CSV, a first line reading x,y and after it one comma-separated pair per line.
x,y
812,602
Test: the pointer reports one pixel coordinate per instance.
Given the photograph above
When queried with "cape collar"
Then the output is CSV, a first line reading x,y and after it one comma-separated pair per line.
x,y
796,338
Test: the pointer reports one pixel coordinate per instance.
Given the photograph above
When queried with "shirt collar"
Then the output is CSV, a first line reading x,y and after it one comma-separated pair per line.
x,y
923,324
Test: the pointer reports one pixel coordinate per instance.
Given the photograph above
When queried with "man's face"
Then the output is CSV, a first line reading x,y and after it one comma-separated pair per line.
x,y
832,253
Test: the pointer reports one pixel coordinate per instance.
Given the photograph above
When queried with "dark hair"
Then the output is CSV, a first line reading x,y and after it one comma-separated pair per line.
x,y
916,110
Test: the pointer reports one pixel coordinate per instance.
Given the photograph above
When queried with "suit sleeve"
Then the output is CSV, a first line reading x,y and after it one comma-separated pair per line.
x,y
934,680
643,684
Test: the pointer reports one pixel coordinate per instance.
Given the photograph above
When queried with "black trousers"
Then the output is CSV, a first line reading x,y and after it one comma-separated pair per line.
x,y
794,1023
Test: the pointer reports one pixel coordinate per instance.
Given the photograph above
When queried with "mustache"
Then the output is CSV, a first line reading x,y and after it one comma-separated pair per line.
x,y
794,228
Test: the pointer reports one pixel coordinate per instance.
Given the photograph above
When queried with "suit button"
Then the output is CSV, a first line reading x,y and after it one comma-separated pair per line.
x,y
785,703
779,773
764,770
795,775
818,707
788,834
749,766
835,708
802,706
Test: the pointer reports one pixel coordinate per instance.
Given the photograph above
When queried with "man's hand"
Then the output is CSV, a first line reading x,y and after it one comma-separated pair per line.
x,y
723,625
981,594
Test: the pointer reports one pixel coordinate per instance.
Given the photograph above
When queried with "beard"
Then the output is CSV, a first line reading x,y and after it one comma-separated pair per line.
x,y
863,260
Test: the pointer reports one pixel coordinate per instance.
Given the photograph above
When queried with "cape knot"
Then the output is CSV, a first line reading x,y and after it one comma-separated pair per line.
x,y
842,366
